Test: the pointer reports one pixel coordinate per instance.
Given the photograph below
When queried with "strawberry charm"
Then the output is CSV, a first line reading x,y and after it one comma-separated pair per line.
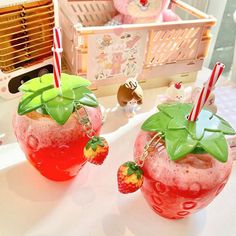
x,y
96,150
130,177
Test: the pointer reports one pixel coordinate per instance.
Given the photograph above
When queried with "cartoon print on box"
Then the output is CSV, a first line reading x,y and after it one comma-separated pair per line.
x,y
106,41
117,61
131,65
133,41
116,54
103,65
101,59
100,76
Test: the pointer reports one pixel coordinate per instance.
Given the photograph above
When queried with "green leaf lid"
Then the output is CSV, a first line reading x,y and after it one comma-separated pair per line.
x,y
59,103
206,135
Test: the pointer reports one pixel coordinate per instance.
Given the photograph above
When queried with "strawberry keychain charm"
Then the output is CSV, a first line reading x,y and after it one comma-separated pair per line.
x,y
97,148
130,177
130,174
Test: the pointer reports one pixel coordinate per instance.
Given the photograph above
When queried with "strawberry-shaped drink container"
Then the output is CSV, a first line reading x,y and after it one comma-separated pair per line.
x,y
48,124
190,162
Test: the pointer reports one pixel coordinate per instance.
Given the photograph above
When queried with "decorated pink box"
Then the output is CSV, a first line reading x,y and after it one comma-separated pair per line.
x,y
107,55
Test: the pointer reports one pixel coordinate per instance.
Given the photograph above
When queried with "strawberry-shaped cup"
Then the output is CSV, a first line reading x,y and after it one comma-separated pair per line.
x,y
48,126
187,164
184,155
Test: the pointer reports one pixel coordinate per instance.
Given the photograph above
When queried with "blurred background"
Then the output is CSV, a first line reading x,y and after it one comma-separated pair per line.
x,y
221,49
223,43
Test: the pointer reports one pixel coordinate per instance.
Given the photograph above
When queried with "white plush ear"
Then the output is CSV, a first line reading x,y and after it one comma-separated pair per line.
x,y
211,100
195,94
171,83
165,4
121,6
169,91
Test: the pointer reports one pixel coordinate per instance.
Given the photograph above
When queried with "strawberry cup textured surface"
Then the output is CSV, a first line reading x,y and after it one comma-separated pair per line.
x,y
47,126
175,189
191,163
56,151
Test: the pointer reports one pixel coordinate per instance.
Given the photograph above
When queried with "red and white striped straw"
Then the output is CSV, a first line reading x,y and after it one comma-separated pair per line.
x,y
57,53
206,91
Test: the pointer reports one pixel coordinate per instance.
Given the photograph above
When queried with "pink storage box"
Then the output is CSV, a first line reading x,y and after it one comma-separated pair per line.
x,y
107,55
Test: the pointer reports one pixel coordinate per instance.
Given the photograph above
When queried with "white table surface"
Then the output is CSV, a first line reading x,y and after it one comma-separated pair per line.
x,y
90,204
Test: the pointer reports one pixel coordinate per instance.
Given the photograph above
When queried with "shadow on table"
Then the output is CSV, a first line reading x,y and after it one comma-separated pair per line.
x,y
115,115
115,118
28,183
136,217
27,198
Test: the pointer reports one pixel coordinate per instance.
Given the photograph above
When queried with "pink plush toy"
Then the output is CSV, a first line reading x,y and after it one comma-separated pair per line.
x,y
142,11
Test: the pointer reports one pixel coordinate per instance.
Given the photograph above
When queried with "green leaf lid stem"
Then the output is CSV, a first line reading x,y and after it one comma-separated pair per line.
x,y
206,135
59,103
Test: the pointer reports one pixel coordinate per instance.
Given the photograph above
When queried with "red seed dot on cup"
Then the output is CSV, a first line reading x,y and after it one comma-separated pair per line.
x,y
220,189
157,209
160,187
182,213
33,142
157,200
189,205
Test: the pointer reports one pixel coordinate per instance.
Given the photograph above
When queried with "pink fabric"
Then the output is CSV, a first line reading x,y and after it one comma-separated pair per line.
x,y
162,14
121,6
169,15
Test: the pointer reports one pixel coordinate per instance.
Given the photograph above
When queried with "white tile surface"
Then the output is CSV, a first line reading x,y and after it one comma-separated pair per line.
x,y
90,205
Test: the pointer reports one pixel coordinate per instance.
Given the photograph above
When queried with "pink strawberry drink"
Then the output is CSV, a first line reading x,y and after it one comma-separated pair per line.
x,y
175,189
49,125
187,163
55,151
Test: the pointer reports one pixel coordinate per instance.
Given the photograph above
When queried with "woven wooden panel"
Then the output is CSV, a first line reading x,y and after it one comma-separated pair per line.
x,y
172,45
93,13
25,34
